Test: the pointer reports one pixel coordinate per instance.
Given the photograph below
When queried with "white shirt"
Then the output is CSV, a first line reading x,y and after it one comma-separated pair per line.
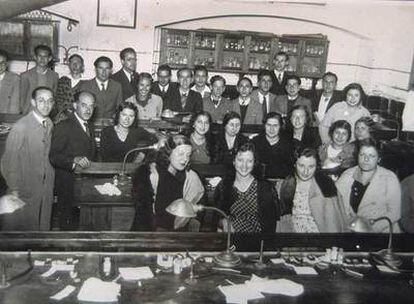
x,y
2,76
81,121
164,89
215,105
323,106
39,118
128,74
261,96
203,92
73,81
100,84
279,75
244,102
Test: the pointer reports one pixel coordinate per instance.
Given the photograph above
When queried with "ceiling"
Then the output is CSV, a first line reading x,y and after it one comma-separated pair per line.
x,y
12,8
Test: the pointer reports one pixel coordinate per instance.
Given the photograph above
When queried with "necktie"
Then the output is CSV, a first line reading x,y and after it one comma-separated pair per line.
x,y
87,130
279,77
102,87
183,99
264,105
215,101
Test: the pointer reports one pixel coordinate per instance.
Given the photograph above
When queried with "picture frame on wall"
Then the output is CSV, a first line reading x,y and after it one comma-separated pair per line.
x,y
124,16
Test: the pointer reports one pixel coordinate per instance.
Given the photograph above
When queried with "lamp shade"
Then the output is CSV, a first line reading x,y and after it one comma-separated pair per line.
x,y
10,203
181,207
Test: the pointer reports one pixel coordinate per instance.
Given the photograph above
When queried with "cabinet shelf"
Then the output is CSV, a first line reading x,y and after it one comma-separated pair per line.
x,y
247,58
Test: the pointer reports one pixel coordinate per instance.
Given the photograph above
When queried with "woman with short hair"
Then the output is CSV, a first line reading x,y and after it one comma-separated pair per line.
x,y
200,138
308,198
251,203
164,177
125,135
370,191
350,110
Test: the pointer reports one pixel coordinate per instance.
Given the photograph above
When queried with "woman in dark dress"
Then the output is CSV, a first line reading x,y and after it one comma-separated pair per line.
x,y
164,177
299,130
117,140
251,203
274,152
228,140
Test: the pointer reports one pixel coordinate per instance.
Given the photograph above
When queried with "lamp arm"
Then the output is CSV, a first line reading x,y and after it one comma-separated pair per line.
x,y
390,227
227,219
133,150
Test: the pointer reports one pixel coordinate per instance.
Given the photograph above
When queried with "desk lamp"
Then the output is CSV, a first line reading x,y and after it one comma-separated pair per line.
x,y
183,208
123,178
384,256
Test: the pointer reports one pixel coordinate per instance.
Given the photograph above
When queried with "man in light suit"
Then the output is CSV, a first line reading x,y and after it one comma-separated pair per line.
x,y
9,87
107,92
285,103
127,76
280,74
262,101
72,146
40,75
324,99
26,168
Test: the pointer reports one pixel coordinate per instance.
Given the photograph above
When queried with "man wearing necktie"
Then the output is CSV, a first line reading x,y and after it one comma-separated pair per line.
x,y
107,92
127,75
182,99
26,168
73,146
281,62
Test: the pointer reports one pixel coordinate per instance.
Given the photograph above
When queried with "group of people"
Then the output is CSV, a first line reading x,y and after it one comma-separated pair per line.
x,y
313,167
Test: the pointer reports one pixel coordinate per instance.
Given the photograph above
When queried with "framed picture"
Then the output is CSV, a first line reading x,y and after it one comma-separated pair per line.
x,y
119,13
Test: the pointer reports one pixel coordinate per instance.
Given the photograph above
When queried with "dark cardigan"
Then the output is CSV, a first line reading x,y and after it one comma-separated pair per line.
x,y
268,202
222,154
288,188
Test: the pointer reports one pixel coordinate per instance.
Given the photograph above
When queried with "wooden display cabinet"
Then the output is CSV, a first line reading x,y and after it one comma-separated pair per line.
x,y
243,52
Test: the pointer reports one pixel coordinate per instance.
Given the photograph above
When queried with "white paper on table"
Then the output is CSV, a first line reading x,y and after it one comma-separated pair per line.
x,y
277,261
63,293
95,290
305,270
384,268
135,273
279,286
58,267
108,189
240,293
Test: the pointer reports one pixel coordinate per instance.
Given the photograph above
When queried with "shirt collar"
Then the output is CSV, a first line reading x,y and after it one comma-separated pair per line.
x,y
105,83
205,90
184,92
161,87
39,118
81,121
244,102
294,98
261,96
128,74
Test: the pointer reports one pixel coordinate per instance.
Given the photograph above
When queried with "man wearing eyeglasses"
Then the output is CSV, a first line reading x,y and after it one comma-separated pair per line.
x,y
73,146
26,168
9,87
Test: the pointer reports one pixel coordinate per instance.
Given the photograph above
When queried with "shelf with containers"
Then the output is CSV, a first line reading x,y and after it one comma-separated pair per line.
x,y
243,52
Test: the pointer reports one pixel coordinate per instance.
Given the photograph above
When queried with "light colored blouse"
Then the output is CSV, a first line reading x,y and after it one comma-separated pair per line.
x,y
152,110
302,218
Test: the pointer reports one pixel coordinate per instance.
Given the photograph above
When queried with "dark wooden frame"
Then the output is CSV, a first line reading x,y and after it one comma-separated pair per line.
x,y
100,22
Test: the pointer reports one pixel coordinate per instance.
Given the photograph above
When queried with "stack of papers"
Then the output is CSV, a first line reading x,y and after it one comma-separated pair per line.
x,y
95,290
253,289
108,189
135,273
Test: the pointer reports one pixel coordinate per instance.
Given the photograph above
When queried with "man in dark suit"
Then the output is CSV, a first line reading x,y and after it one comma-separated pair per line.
x,y
280,74
108,92
182,99
9,87
73,145
324,99
285,103
163,86
127,76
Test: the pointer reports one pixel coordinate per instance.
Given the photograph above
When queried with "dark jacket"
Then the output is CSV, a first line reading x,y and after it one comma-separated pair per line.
x,y
128,87
267,200
336,97
194,102
310,138
221,152
155,89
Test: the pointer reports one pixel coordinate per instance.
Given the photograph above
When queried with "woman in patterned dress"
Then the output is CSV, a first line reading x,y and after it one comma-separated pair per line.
x,y
308,199
252,204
